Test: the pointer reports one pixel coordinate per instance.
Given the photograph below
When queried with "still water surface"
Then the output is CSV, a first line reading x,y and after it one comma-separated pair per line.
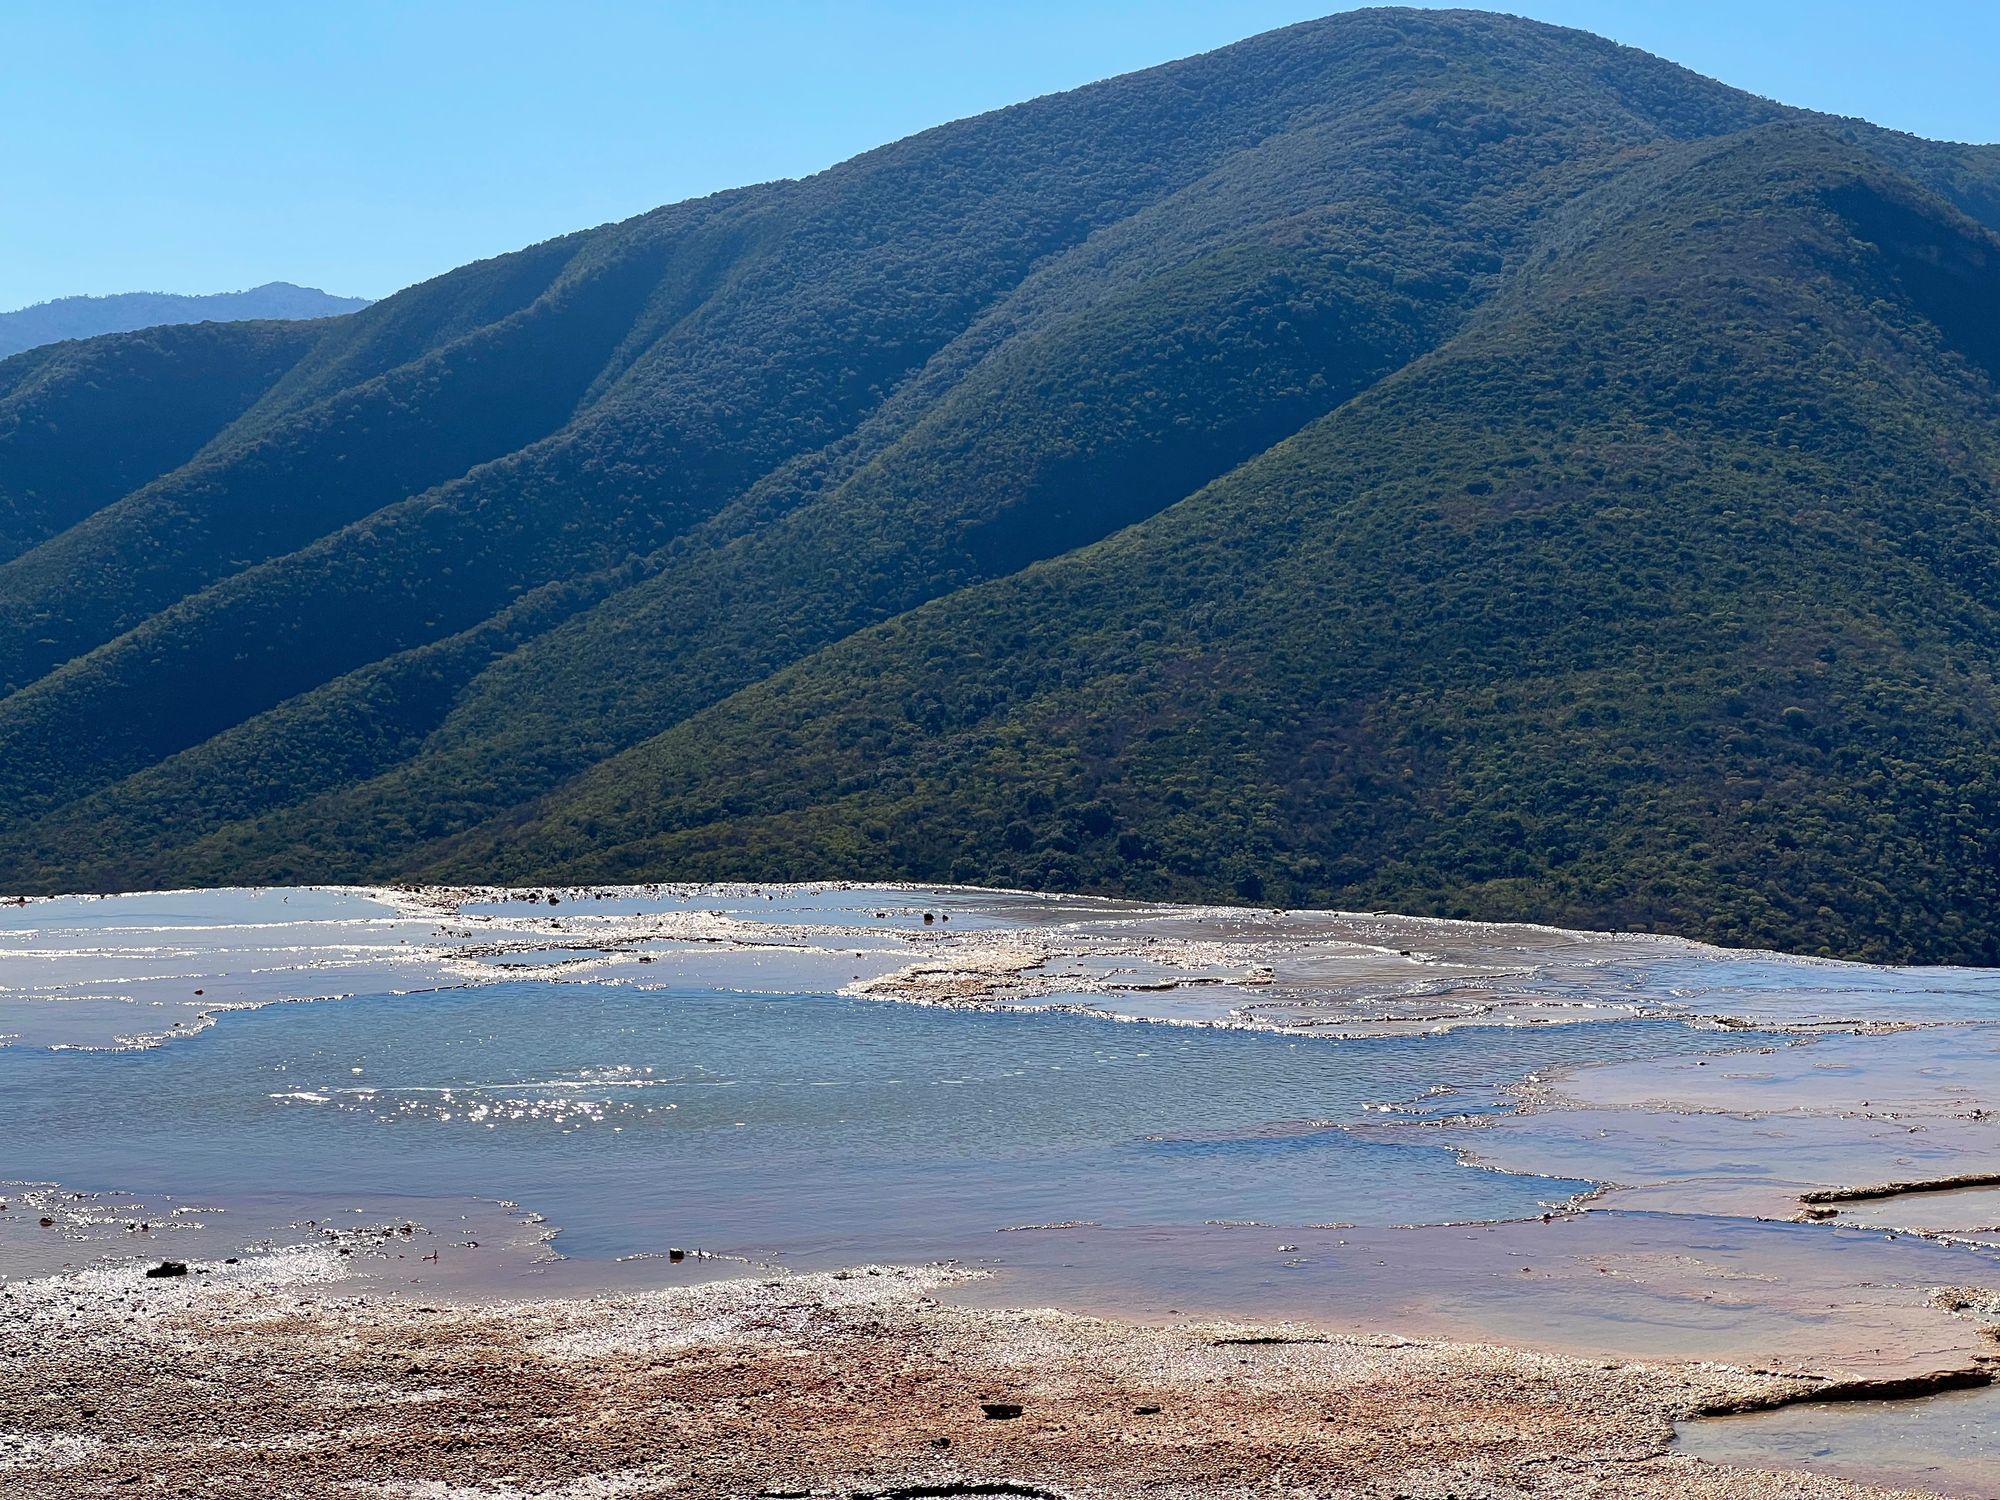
x,y
817,1128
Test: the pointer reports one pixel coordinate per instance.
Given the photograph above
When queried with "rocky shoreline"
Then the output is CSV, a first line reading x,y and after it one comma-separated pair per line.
x,y
266,1378
1780,1224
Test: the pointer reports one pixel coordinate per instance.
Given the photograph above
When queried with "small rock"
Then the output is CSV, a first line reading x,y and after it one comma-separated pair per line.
x,y
1145,1411
1000,1411
677,1255
168,1268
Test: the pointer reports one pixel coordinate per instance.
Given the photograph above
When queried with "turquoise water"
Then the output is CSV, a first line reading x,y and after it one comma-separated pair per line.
x,y
818,1129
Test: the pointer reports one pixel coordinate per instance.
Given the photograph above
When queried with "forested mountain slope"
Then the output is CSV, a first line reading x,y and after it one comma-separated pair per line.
x,y
82,424
1414,459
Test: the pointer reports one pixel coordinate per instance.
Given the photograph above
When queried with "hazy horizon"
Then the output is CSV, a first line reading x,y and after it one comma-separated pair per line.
x,y
154,291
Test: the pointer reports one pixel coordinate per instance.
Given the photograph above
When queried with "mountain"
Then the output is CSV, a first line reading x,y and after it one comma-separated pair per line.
x,y
1415,459
86,317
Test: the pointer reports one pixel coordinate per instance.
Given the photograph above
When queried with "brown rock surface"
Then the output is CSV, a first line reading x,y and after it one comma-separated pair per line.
x,y
261,1379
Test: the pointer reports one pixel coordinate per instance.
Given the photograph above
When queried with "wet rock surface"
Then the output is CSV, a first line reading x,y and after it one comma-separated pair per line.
x,y
155,967
1792,1225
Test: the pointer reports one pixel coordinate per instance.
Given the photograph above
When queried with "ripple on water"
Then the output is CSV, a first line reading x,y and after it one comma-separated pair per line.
x,y
823,1128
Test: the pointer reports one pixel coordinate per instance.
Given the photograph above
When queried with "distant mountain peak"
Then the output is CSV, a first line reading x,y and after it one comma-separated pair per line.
x,y
121,312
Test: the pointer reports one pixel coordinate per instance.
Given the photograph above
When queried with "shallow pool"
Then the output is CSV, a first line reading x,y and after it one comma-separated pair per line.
x,y
815,1128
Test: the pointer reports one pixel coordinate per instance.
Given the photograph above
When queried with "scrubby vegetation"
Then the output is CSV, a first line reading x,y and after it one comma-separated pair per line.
x,y
1413,460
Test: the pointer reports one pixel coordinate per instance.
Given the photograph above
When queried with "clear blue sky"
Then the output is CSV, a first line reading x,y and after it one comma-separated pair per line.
x,y
207,145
